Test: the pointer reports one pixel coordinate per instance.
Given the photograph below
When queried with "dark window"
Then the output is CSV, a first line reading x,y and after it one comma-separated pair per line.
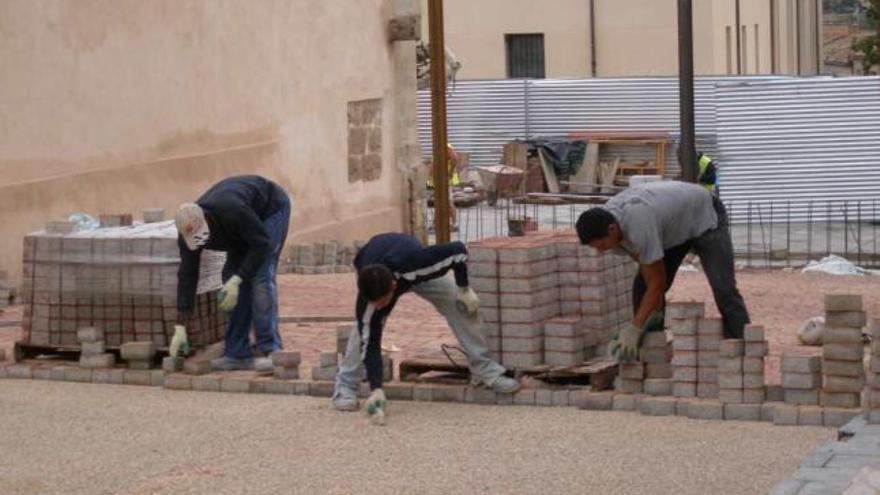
x,y
525,55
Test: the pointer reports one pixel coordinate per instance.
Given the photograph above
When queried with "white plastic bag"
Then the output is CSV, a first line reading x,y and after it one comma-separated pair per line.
x,y
811,331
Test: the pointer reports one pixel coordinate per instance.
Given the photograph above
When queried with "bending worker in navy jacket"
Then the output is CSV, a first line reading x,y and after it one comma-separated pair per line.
x,y
247,217
388,266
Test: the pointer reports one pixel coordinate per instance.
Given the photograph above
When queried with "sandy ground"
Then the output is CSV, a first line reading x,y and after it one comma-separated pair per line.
x,y
781,301
68,438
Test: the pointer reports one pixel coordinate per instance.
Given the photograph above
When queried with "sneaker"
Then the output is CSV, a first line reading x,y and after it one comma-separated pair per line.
x,y
264,366
504,385
345,401
230,364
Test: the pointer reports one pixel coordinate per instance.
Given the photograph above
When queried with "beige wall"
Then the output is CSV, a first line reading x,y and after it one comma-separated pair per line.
x,y
117,105
475,30
633,37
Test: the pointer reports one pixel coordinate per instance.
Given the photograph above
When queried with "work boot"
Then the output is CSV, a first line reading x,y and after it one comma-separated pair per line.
x,y
231,364
345,400
504,385
264,366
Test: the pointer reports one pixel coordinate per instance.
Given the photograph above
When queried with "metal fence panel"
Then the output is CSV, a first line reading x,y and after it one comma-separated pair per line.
x,y
800,142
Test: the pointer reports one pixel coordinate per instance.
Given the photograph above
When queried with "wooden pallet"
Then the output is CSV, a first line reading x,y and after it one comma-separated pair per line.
x,y
599,373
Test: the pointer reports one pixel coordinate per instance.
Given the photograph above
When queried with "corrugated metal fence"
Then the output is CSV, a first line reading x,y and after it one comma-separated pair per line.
x,y
811,147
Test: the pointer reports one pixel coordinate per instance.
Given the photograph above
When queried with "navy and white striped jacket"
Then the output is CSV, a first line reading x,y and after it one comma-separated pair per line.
x,y
411,264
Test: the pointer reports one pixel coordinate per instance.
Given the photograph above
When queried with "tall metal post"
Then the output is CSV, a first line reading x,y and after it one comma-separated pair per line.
x,y
687,152
438,119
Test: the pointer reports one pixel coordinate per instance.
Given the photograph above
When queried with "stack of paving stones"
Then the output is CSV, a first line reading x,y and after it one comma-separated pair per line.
x,y
730,370
286,364
682,318
656,356
4,290
547,300
709,334
343,332
801,378
326,368
755,349
92,349
139,355
843,351
122,280
322,258
872,411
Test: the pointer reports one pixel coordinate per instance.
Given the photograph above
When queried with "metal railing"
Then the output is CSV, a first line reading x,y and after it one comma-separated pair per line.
x,y
764,233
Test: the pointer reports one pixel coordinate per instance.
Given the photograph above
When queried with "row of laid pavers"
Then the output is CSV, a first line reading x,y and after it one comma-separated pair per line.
x,y
848,466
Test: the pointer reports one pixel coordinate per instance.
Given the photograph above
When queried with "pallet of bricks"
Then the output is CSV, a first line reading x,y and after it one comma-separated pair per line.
x,y
120,278
4,291
717,378
322,258
547,300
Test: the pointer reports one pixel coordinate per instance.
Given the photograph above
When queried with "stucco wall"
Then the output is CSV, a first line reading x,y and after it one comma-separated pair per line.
x,y
116,105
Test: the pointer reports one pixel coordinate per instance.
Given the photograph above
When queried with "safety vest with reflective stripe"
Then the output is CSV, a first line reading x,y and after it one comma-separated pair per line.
x,y
708,171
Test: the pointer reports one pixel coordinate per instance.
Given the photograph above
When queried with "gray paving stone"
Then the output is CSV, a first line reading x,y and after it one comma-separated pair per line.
x,y
157,378
561,398
787,487
82,375
279,387
194,367
422,392
177,381
206,383
682,406
235,385
448,393
658,386
398,391
597,401
41,373
658,406
623,402
742,412
321,389
543,397
525,397
282,373
706,409
837,416
810,416
287,359
768,411
19,371
480,395
785,414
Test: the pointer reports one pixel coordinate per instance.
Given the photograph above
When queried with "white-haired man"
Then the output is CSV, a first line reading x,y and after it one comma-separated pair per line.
x,y
247,217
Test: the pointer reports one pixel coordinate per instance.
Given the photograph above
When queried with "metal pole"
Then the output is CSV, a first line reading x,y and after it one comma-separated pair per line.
x,y
592,38
773,36
738,40
687,150
438,119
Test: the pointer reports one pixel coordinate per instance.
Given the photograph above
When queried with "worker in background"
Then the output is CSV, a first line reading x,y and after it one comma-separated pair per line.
x,y
708,173
452,162
247,217
657,224
391,265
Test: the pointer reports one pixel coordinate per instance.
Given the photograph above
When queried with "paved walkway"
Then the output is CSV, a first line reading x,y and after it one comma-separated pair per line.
x,y
71,438
848,466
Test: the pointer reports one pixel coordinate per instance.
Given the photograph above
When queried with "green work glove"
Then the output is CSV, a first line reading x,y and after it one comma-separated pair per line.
x,y
624,347
375,406
228,294
179,342
654,323
467,301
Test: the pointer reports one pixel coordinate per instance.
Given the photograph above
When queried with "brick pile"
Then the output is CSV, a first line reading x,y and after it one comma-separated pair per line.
x,y
122,280
709,333
842,351
92,349
755,349
682,318
801,378
872,411
286,364
322,258
326,368
547,300
139,355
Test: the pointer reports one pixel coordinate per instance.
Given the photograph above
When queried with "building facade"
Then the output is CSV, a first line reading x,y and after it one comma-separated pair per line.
x,y
113,106
496,39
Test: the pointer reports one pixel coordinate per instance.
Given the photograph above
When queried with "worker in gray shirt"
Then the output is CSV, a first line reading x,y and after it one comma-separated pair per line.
x,y
657,224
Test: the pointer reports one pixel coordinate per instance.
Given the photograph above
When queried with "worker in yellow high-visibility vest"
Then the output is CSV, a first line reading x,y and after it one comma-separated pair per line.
x,y
708,177
454,180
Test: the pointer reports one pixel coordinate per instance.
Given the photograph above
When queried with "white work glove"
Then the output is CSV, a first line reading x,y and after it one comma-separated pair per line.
x,y
375,406
228,294
624,348
467,301
179,342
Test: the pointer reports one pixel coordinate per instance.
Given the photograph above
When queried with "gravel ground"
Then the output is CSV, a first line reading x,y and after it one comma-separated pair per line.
x,y
69,438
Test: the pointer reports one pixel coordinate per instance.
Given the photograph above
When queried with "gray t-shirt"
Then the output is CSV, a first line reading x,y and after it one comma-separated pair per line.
x,y
656,216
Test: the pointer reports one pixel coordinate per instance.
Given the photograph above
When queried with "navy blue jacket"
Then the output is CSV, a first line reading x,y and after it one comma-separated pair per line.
x,y
411,264
235,209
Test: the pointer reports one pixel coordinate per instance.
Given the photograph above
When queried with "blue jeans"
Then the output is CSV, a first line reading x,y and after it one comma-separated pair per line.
x,y
258,297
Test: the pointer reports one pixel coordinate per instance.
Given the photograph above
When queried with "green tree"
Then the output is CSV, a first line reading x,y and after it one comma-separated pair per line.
x,y
868,47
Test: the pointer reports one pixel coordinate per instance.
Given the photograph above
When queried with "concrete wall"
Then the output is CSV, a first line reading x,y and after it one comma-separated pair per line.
x,y
632,37
116,105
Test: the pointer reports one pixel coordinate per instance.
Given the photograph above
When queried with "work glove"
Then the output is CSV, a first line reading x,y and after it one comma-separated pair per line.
x,y
467,301
228,294
654,323
624,347
375,406
179,342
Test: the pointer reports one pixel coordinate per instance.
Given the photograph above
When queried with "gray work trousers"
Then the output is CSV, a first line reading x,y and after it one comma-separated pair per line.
x,y
441,293
715,250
